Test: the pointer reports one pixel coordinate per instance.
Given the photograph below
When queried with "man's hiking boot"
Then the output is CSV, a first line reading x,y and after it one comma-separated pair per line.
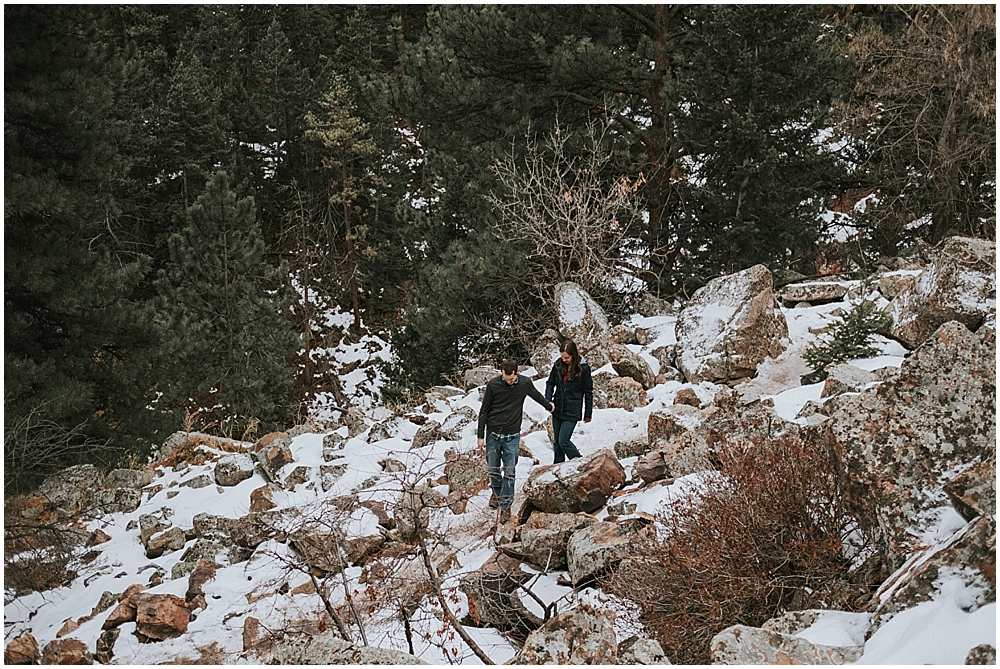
x,y
494,502
504,515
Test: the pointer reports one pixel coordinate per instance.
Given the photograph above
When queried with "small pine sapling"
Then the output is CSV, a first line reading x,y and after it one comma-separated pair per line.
x,y
850,339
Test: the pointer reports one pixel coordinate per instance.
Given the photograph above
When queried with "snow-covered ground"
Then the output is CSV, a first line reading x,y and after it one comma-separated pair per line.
x,y
937,631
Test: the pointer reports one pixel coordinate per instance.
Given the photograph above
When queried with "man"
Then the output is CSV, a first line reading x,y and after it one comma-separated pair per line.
x,y
500,431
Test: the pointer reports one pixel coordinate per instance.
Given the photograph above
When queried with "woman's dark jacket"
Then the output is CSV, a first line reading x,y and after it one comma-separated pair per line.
x,y
571,397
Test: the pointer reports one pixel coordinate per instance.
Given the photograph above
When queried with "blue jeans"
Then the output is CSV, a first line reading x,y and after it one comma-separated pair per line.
x,y
564,449
502,453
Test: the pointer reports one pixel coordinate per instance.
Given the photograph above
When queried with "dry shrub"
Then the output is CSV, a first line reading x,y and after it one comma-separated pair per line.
x,y
39,550
769,533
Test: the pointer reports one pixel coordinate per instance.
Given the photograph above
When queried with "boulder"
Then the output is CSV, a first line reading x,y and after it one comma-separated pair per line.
x,y
262,498
161,617
729,327
958,286
902,439
354,419
545,352
72,489
135,479
596,549
199,481
66,651
203,572
116,500
272,452
973,492
618,392
893,284
22,649
233,469
649,305
637,650
467,476
494,595
308,649
582,484
149,525
813,292
386,429
163,542
629,448
651,467
845,378
687,396
741,644
580,318
584,635
544,537
104,651
632,365
479,376
453,425
428,433
332,443
982,654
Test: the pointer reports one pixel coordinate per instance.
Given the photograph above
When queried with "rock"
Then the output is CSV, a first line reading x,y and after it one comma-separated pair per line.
x,y
332,443
200,481
845,378
982,654
412,512
813,292
135,479
467,476
262,498
391,466
970,555
729,327
617,392
104,652
582,484
631,365
125,611
494,596
453,425
328,475
150,525
161,617
974,491
636,650
684,454
321,547
233,469
545,352
170,540
428,433
957,286
97,537
902,439
298,476
116,500
479,376
72,489
251,632
651,467
687,396
893,284
354,419
740,644
544,537
272,452
203,572
306,649
66,651
446,391
584,635
22,649
649,305
629,448
386,429
580,318
595,549
622,335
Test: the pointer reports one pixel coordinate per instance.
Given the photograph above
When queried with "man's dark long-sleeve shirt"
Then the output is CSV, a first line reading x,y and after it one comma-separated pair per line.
x,y
503,404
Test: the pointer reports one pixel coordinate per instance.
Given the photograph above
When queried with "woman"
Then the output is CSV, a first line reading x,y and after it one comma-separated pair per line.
x,y
574,398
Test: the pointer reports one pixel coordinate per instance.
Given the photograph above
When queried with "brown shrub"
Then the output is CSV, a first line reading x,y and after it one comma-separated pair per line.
x,y
765,535
38,549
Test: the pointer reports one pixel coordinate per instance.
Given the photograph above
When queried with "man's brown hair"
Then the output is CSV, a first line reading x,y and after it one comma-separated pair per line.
x,y
508,366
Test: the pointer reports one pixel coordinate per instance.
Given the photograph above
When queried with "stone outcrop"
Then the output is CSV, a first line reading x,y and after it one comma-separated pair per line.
x,y
233,469
22,649
740,644
163,542
583,635
631,365
730,326
272,452
428,433
845,378
580,318
494,594
957,286
467,476
973,492
545,352
618,392
160,617
814,292
479,376
544,537
596,549
583,484
66,651
901,439
72,489
308,649
412,513
637,650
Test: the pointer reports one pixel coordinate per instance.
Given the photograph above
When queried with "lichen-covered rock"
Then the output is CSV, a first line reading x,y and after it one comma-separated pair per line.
x,y
730,326
958,286
72,489
116,500
412,512
479,376
902,439
595,549
161,617
22,649
272,452
580,318
637,650
650,305
631,365
494,594
544,537
332,443
308,649
582,484
813,292
740,644
892,284
846,378
428,433
128,478
982,654
545,352
583,635
618,392
456,421
466,473
66,651
233,469
163,542
973,492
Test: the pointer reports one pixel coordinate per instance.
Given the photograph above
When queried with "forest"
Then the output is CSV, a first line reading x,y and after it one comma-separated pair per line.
x,y
189,188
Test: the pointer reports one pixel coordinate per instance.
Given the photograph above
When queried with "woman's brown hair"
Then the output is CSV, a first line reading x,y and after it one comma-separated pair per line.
x,y
571,370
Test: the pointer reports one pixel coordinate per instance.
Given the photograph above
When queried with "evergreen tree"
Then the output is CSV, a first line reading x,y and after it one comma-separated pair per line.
x,y
233,346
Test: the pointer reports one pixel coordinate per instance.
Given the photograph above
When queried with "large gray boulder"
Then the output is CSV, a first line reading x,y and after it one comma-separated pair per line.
x,y
233,469
584,635
631,365
580,318
729,327
618,392
308,649
545,352
813,292
741,644
272,452
72,489
595,549
479,376
544,537
958,286
582,484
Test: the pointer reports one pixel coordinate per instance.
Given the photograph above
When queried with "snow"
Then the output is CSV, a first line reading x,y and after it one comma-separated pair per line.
x,y
941,630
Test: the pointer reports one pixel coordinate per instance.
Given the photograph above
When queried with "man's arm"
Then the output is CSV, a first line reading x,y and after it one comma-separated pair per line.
x,y
588,394
484,412
538,397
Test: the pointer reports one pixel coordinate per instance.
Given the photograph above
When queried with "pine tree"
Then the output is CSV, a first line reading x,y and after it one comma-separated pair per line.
x,y
233,345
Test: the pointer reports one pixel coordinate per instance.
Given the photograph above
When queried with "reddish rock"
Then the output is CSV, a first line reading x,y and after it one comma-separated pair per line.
x,y
69,625
125,611
171,540
66,651
544,537
161,617
261,499
203,572
583,484
974,492
631,365
97,537
273,451
687,396
494,595
251,632
22,649
595,549
618,392
105,650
